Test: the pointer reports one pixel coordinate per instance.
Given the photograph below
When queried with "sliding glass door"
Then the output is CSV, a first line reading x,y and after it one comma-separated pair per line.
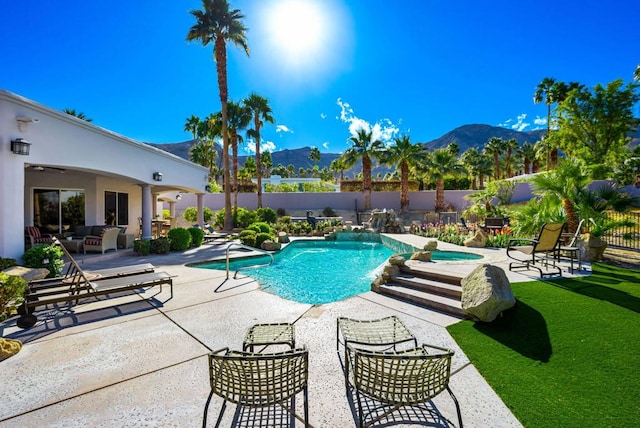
x,y
57,210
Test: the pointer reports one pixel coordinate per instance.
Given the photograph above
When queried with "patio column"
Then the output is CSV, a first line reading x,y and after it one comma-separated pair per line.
x,y
146,211
172,209
200,197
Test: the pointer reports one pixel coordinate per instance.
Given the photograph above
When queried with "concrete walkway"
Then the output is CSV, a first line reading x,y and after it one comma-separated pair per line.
x,y
141,360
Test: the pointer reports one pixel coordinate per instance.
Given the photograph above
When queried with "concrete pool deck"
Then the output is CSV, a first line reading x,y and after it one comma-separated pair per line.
x,y
141,360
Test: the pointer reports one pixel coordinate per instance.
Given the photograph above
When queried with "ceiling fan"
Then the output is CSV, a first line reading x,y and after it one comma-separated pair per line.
x,y
42,168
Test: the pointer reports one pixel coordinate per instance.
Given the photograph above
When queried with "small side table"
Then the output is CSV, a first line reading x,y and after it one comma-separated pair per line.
x,y
572,253
74,245
269,334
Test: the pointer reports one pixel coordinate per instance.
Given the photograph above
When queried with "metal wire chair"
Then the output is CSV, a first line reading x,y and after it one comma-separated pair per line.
x,y
397,379
258,380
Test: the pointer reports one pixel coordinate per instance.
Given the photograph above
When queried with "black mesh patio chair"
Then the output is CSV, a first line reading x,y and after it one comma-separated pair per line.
x,y
393,380
258,380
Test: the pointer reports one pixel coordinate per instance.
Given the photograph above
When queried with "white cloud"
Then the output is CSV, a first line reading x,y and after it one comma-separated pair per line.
x,y
283,128
250,146
323,116
383,130
325,145
519,124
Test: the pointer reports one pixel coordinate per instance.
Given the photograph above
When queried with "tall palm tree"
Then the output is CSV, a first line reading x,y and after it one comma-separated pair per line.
x,y
442,163
239,118
191,125
543,94
202,151
471,160
261,111
404,155
364,148
314,155
79,115
337,166
219,24
511,145
494,147
636,74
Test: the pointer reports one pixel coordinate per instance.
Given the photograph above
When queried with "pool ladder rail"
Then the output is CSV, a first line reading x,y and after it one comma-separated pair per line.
x,y
246,247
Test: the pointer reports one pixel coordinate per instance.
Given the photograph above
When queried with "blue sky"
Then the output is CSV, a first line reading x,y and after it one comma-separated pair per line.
x,y
415,67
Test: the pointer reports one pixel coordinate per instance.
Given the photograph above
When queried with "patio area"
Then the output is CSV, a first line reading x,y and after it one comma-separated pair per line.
x,y
143,361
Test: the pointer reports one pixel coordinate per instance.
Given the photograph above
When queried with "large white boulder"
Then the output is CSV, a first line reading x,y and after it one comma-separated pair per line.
x,y
486,292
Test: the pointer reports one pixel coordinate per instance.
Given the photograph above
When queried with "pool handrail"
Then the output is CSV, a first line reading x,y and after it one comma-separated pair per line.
x,y
246,247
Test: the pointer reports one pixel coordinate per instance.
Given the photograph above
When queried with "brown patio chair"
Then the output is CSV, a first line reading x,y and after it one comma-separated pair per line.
x,y
107,241
258,380
387,381
33,236
542,250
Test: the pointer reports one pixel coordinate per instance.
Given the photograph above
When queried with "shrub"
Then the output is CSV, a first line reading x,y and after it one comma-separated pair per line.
x,y
244,218
191,214
160,245
248,237
179,239
197,236
267,215
328,212
7,263
261,237
45,256
142,247
260,226
11,294
166,214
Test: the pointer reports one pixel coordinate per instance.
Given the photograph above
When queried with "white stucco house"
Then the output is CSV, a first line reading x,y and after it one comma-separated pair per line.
x,y
58,172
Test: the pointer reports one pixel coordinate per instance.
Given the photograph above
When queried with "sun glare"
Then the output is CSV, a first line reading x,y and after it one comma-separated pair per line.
x,y
298,30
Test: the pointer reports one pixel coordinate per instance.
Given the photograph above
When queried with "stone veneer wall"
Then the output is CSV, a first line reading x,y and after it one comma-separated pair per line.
x,y
397,246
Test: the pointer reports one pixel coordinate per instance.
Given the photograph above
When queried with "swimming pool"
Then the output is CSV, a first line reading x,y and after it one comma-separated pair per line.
x,y
317,272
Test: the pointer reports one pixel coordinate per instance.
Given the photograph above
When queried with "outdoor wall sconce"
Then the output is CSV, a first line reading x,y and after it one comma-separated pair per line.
x,y
157,176
23,121
178,196
20,146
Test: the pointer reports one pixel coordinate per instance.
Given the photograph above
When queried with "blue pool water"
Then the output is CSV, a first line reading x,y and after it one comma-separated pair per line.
x,y
317,272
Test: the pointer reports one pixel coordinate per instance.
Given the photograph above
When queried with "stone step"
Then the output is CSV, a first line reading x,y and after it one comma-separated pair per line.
x,y
429,285
435,276
422,298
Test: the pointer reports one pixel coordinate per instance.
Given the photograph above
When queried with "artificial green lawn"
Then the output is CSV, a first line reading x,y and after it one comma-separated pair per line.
x,y
568,353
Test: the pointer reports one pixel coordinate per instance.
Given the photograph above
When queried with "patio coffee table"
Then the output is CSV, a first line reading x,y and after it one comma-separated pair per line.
x,y
74,245
269,334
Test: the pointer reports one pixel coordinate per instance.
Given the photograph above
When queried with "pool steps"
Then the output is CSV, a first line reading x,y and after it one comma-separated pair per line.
x,y
420,287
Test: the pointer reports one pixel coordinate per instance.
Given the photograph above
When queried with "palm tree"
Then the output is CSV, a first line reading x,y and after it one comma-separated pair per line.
x,y
337,166
566,182
191,125
636,74
442,163
239,118
204,132
314,155
404,155
543,93
261,111
472,159
527,153
219,24
495,147
79,114
366,148
511,145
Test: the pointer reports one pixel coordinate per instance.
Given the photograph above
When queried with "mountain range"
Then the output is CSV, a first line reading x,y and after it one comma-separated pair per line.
x,y
465,136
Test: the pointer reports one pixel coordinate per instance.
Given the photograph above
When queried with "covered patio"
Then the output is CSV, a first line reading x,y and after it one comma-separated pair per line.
x,y
58,172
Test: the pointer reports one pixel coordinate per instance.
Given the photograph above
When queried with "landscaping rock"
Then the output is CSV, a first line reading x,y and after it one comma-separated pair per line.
x,y
479,240
591,248
431,245
486,292
423,256
9,347
270,246
283,238
26,273
397,260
